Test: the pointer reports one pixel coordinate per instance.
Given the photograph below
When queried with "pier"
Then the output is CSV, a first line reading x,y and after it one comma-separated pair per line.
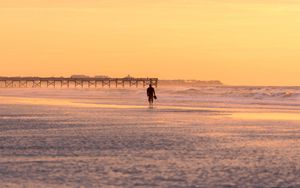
x,y
62,82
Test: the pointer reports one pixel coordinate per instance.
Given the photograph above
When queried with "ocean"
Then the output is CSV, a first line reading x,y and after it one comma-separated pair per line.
x,y
213,136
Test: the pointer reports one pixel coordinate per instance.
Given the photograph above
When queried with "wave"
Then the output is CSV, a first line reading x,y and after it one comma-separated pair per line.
x,y
243,92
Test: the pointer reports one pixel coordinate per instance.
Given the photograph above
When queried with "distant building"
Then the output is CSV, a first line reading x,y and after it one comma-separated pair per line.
x,y
128,77
102,76
79,76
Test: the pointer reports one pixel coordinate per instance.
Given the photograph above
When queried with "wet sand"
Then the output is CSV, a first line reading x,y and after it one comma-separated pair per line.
x,y
84,142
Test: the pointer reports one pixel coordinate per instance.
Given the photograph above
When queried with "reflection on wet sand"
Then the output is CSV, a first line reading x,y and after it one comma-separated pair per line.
x,y
267,116
235,113
89,104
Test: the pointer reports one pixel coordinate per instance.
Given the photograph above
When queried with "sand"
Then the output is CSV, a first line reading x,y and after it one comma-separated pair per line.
x,y
194,137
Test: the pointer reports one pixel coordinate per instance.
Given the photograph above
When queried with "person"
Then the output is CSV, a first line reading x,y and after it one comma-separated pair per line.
x,y
151,94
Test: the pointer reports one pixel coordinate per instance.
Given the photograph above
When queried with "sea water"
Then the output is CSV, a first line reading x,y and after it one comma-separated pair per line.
x,y
193,137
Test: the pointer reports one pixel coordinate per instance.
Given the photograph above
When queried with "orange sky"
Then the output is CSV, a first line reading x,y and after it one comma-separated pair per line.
x,y
241,42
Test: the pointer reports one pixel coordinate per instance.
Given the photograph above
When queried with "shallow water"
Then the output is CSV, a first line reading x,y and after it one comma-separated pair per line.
x,y
110,138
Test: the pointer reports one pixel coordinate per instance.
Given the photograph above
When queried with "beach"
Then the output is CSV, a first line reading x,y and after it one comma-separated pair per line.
x,y
213,136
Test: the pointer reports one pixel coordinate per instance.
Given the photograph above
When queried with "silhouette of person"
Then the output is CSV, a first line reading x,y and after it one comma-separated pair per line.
x,y
151,94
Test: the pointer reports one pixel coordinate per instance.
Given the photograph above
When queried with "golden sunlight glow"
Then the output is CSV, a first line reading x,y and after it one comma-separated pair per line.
x,y
267,116
247,42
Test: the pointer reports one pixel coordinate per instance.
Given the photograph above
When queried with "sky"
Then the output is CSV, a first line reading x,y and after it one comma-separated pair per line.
x,y
240,42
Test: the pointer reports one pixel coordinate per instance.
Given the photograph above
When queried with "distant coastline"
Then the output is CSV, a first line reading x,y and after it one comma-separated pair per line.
x,y
190,83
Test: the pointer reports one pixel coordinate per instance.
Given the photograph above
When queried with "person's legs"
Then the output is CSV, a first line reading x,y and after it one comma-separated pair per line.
x,y
150,99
